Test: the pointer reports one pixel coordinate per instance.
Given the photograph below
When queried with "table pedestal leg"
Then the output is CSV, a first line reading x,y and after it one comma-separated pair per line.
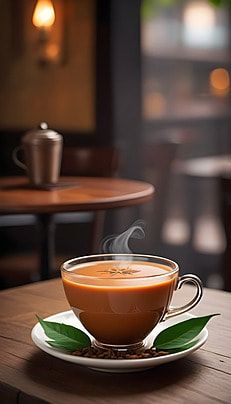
x,y
47,245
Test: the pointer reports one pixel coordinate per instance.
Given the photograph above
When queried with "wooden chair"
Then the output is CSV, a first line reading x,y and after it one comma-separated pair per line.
x,y
225,205
157,159
90,162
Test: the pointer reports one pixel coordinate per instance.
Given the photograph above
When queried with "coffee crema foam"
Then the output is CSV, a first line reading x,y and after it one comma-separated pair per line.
x,y
120,269
119,273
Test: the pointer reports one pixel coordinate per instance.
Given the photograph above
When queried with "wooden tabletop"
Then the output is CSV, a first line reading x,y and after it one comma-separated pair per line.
x,y
81,193
28,375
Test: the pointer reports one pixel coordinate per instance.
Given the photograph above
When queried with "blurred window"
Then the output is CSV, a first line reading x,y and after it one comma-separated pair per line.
x,y
186,94
186,60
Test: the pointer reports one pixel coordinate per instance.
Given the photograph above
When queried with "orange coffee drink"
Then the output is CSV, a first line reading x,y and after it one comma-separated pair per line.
x,y
119,298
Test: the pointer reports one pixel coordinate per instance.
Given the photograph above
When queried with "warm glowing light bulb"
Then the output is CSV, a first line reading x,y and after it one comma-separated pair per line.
x,y
219,81
199,23
154,105
44,14
199,15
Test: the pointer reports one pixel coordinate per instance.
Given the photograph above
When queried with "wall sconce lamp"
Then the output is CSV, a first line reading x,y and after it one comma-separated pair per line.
x,y
44,14
49,32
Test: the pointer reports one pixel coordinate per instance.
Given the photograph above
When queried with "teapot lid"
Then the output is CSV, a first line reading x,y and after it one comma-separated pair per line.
x,y
42,133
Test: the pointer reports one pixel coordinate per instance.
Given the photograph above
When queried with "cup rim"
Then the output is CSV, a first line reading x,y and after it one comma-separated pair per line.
x,y
166,261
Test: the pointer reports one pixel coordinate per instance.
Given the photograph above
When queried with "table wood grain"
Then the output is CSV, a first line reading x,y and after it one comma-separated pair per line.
x,y
83,193
28,375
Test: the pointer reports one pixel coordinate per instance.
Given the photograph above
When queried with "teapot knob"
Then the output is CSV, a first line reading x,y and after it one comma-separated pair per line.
x,y
43,125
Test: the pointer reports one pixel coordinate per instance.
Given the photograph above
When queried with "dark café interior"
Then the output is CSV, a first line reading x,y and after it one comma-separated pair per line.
x,y
137,90
115,191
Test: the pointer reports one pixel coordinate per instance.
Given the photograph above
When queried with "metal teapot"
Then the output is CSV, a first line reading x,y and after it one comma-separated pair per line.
x,y
43,153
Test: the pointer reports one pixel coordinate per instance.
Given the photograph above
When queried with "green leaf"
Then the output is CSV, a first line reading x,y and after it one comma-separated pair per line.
x,y
179,335
183,347
215,2
64,336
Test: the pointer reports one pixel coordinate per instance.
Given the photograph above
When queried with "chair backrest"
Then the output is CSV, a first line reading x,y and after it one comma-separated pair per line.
x,y
157,161
225,206
90,161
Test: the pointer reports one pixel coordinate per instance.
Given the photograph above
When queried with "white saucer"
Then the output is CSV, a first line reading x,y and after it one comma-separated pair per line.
x,y
115,365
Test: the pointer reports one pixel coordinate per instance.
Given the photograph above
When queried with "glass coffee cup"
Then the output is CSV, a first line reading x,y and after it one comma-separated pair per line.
x,y
120,298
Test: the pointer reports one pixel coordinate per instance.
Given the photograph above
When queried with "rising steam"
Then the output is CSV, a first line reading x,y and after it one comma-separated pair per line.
x,y
119,244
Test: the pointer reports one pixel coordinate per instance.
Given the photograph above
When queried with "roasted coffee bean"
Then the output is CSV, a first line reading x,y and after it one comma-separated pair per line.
x,y
93,352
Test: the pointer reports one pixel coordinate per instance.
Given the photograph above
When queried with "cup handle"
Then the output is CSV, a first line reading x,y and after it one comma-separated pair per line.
x,y
15,158
174,311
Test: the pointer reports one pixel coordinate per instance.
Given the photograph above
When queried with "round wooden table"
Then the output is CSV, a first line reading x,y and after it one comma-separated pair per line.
x,y
72,194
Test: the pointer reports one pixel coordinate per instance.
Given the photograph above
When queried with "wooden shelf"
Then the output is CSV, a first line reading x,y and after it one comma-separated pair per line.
x,y
181,54
151,124
196,111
